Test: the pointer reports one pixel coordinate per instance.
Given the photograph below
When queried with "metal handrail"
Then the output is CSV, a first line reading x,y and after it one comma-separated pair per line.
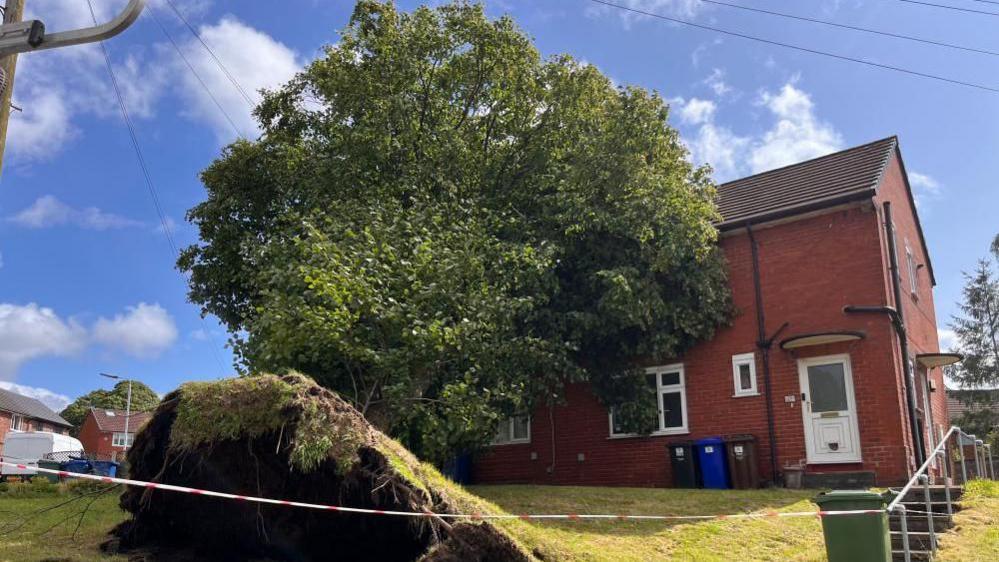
x,y
922,470
922,476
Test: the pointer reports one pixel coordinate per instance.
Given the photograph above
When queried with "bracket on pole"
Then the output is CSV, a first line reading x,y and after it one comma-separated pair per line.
x,y
30,35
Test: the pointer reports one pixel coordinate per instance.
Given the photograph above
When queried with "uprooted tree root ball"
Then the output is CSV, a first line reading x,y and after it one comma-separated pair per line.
x,y
288,438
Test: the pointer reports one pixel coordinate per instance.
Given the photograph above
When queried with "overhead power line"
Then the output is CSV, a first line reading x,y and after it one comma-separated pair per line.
x,y
801,48
164,223
955,8
195,73
853,27
211,53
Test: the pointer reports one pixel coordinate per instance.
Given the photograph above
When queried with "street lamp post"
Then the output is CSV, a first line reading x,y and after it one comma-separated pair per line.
x,y
128,406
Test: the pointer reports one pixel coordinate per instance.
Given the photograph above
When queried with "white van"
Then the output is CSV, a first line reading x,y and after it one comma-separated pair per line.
x,y
28,446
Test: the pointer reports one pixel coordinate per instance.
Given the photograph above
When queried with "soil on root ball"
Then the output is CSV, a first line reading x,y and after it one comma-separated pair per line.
x,y
167,525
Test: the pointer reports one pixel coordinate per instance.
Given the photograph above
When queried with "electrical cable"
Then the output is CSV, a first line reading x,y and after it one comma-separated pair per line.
x,y
946,7
164,223
800,48
853,27
195,73
217,60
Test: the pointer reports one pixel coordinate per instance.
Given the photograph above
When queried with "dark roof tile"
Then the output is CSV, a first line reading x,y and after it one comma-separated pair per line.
x,y
849,174
29,407
110,420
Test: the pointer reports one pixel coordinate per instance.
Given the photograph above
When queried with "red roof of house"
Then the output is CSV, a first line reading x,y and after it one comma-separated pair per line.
x,y
109,420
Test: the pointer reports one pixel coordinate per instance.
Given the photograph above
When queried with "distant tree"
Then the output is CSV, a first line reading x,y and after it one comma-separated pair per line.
x,y
445,228
143,400
977,330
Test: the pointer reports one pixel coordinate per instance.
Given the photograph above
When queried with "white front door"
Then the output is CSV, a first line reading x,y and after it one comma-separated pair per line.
x,y
829,409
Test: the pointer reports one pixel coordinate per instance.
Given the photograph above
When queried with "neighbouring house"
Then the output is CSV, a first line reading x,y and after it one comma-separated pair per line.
x,y
103,432
22,413
813,364
961,402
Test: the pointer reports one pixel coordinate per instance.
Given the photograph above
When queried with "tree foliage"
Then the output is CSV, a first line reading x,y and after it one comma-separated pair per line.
x,y
977,331
446,228
143,400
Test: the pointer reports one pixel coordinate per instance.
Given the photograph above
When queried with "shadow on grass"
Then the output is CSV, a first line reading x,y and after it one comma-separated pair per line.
x,y
519,499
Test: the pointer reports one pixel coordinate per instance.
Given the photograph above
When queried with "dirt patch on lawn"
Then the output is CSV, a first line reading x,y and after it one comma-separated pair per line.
x,y
288,438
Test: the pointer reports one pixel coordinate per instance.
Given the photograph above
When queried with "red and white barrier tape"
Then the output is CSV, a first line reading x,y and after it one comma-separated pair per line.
x,y
472,516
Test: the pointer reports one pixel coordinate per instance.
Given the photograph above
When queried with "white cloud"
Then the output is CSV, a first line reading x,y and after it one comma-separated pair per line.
x,y
30,331
716,81
674,8
144,331
720,147
55,401
797,135
697,111
48,211
948,339
924,188
42,127
255,59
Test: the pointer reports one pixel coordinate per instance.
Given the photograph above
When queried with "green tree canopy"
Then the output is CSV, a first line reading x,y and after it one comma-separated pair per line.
x,y
977,331
446,228
143,400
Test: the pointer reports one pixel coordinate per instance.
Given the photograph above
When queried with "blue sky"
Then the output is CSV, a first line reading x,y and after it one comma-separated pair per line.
x,y
87,282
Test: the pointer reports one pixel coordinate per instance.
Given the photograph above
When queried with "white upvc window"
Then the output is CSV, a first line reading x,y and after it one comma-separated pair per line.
x,y
513,430
910,261
122,439
744,374
17,422
671,399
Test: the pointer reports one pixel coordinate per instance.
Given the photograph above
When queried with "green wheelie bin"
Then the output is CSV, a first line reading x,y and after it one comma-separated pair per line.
x,y
855,538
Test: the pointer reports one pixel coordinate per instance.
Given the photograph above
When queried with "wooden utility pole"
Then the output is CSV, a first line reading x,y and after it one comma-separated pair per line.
x,y
13,13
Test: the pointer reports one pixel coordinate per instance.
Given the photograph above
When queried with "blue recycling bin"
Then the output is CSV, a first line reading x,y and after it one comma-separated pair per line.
x,y
79,466
105,468
459,469
714,464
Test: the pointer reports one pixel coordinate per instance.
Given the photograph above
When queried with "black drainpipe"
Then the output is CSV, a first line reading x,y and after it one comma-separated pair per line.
x,y
764,344
898,321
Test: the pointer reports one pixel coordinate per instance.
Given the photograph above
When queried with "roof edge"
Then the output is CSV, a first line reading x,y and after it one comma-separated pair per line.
x,y
915,211
804,208
892,138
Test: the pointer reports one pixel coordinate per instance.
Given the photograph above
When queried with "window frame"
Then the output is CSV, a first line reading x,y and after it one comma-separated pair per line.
x,y
738,361
661,389
513,441
116,442
16,422
910,260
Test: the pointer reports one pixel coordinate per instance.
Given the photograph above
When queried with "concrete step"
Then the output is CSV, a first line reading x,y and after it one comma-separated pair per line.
x,y
919,523
937,493
918,540
914,555
935,507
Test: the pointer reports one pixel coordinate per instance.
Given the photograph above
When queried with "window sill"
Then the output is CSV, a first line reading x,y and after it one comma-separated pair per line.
x,y
746,395
653,434
506,443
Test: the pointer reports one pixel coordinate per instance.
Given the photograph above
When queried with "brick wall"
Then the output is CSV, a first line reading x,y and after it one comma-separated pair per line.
x,y
96,441
810,269
4,428
918,308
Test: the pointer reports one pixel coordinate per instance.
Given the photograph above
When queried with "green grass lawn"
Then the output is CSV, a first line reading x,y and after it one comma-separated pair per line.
x,y
977,536
49,535
43,526
613,541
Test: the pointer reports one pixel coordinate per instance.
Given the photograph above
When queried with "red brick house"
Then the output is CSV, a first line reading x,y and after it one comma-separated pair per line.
x,y
21,413
814,363
103,431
